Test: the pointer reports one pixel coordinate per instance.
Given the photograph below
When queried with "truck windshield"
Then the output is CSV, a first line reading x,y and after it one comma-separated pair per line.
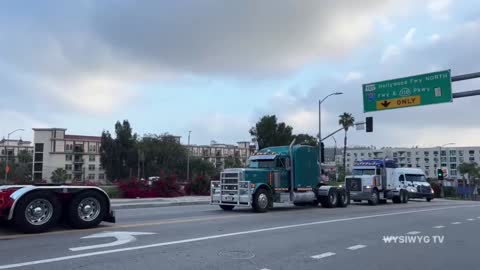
x,y
269,163
415,177
363,172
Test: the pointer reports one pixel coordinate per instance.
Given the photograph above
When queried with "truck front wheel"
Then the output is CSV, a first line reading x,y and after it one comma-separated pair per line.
x,y
405,197
261,201
37,212
374,198
86,210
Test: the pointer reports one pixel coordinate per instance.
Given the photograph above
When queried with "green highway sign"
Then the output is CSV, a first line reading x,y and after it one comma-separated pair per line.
x,y
418,90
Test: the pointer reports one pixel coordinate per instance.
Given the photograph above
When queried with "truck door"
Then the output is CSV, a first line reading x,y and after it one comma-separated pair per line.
x,y
402,182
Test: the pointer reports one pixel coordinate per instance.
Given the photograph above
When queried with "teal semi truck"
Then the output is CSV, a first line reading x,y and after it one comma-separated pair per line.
x,y
276,175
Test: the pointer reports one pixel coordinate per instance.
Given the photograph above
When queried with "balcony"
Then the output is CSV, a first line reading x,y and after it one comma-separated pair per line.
x,y
78,149
78,160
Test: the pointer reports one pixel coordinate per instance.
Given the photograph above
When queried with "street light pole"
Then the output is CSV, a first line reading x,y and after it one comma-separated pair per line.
x,y
6,152
320,132
188,156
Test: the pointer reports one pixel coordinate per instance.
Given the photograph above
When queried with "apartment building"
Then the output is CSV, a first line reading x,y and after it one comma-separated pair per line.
x,y
79,155
428,159
217,152
13,147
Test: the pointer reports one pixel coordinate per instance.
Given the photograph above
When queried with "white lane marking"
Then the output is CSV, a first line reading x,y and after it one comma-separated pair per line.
x,y
162,244
413,233
470,219
122,238
456,223
264,269
356,247
323,255
439,227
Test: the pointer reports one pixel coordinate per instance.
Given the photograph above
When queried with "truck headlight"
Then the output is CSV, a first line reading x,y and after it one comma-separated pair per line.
x,y
433,191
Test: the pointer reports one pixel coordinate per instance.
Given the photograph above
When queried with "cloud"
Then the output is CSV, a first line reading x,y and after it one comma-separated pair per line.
x,y
390,52
408,38
439,9
12,120
353,76
434,38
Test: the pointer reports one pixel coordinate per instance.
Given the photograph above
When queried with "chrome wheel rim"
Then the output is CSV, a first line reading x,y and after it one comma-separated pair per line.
x,y
333,198
262,200
39,212
88,209
374,197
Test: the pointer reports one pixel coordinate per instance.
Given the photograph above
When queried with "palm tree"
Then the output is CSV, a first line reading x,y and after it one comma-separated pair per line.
x,y
346,121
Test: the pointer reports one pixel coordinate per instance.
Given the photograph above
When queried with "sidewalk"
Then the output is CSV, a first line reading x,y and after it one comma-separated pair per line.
x,y
159,202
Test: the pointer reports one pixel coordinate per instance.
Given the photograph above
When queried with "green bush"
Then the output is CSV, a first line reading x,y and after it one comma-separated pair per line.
x,y
450,191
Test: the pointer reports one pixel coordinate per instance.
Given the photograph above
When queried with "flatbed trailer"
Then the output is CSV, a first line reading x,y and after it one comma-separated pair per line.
x,y
38,208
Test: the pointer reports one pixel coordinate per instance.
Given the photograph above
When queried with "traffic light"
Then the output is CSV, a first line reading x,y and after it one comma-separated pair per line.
x,y
323,152
440,174
369,124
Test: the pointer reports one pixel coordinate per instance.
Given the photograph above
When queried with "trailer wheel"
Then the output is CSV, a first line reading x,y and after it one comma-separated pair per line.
x,y
342,198
261,201
330,201
374,199
37,212
227,207
396,199
87,209
429,199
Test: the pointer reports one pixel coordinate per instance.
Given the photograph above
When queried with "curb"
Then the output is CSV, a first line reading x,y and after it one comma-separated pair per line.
x,y
154,205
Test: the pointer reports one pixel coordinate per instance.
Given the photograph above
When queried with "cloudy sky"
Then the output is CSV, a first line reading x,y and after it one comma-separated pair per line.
x,y
215,67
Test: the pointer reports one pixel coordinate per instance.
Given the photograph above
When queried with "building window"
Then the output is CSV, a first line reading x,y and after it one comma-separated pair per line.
x,y
369,154
426,153
435,153
91,167
443,153
427,160
39,157
453,159
68,167
443,164
453,166
91,158
471,152
69,177
460,153
91,176
453,172
38,167
348,154
409,154
362,154
453,152
101,176
69,147
443,159
427,173
471,159
68,157
461,160
92,148
395,154
39,147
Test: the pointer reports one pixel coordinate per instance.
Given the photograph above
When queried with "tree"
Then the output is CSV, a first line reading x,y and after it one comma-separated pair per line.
x,y
24,156
346,121
470,169
267,132
232,162
59,176
119,156
200,167
306,139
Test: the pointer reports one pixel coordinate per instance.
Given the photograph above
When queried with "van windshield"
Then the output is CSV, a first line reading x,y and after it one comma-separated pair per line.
x,y
363,172
415,177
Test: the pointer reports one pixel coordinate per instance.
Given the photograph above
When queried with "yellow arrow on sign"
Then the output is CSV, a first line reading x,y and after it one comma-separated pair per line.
x,y
398,102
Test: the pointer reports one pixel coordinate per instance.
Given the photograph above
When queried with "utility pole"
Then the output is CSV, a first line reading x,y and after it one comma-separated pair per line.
x,y
188,157
320,132
6,153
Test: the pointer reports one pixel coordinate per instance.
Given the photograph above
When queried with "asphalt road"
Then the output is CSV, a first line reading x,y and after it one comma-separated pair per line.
x,y
205,237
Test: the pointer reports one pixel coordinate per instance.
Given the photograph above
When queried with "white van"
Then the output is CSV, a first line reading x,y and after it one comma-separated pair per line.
x,y
414,180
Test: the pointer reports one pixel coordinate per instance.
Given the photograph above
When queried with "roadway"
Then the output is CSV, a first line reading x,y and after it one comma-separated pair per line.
x,y
287,237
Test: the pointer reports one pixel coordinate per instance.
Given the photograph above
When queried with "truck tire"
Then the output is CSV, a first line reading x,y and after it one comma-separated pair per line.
x,y
396,199
405,197
261,201
342,198
429,199
87,209
37,212
227,207
382,201
374,199
331,200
